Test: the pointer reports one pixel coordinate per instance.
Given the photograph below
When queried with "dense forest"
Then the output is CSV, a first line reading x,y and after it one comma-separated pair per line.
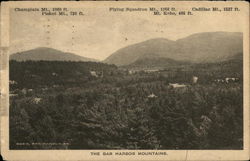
x,y
88,105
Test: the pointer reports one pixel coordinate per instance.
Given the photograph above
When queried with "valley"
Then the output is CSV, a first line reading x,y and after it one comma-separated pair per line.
x,y
155,94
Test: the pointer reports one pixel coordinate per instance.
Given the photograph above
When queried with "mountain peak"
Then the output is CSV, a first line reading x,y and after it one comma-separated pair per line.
x,y
47,54
199,47
131,53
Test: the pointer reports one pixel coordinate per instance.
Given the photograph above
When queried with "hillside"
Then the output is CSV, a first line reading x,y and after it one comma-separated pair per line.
x,y
155,61
211,46
63,101
134,52
197,48
47,54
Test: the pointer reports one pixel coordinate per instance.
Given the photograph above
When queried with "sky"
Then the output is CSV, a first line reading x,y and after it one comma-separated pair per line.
x,y
99,33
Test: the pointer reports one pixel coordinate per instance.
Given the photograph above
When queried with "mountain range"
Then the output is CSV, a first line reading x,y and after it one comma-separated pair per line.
x,y
197,48
48,54
208,47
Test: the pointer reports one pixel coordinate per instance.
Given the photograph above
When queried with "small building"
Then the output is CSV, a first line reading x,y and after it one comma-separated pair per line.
x,y
36,100
194,79
96,74
93,73
30,90
12,82
24,91
13,95
54,74
217,80
55,86
177,85
227,80
152,95
44,89
231,79
131,72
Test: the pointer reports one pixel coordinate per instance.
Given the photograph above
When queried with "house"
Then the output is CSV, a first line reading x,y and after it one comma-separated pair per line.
x,y
24,91
44,89
231,79
12,82
131,72
217,80
177,85
30,90
36,100
13,95
55,86
227,80
152,95
96,74
194,79
93,73
54,74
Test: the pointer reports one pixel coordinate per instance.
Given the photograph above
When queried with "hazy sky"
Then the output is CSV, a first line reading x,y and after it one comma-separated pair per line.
x,y
100,33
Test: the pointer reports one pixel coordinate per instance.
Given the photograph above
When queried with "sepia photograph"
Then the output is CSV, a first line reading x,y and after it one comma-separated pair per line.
x,y
126,76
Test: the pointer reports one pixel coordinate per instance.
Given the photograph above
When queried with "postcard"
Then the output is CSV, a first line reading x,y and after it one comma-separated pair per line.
x,y
126,80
